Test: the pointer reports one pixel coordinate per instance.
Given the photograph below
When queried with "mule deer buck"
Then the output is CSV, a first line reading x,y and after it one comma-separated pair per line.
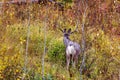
x,y
72,48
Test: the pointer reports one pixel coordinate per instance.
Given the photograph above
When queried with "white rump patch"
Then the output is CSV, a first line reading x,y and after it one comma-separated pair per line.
x,y
70,50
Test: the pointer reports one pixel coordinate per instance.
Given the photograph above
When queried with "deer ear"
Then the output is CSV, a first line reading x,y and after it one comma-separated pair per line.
x,y
64,30
69,30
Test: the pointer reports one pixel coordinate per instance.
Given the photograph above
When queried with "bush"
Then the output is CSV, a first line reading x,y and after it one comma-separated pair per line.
x,y
56,52
99,60
12,72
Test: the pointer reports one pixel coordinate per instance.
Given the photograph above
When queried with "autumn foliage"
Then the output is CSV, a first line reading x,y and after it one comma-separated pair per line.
x,y
102,39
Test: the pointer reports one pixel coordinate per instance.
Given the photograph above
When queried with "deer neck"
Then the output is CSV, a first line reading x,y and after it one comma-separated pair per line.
x,y
66,40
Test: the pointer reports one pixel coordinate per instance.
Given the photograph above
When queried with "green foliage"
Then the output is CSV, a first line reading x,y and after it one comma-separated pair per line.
x,y
56,52
11,67
12,72
67,1
99,60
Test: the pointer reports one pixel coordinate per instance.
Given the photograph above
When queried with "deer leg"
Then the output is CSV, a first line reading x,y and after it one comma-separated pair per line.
x,y
73,61
68,61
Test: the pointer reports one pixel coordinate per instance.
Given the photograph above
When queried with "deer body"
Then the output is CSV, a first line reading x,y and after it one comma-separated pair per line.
x,y
72,49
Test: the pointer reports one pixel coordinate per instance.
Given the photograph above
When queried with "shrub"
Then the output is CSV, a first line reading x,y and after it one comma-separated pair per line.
x,y
56,52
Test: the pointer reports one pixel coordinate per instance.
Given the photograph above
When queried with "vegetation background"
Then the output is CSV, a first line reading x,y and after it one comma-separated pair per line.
x,y
31,45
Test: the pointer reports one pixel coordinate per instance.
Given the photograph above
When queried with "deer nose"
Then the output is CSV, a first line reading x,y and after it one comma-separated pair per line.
x,y
70,44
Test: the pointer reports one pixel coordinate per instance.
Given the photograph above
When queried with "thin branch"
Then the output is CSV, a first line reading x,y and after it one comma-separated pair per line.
x,y
19,2
60,29
83,37
27,44
85,5
28,34
44,53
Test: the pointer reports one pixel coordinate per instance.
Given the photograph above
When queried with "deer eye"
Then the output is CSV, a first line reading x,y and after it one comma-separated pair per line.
x,y
66,34
69,30
64,31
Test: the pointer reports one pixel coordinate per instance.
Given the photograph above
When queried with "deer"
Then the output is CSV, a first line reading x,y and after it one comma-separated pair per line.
x,y
72,48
